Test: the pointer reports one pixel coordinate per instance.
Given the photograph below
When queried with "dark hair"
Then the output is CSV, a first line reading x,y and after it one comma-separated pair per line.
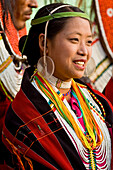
x,y
7,7
32,50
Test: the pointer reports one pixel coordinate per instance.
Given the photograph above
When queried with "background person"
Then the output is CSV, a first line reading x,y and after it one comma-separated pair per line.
x,y
13,15
63,124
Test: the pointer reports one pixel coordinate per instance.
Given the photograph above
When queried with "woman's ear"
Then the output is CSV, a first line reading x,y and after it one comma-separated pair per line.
x,y
41,43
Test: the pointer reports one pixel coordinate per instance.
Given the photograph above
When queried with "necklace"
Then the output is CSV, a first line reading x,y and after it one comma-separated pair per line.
x,y
59,83
90,123
86,152
67,93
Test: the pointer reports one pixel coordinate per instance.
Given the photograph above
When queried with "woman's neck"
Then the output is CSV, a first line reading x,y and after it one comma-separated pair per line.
x,y
60,84
63,86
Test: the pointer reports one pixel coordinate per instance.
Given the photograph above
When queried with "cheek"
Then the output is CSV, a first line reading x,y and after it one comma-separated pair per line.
x,y
61,52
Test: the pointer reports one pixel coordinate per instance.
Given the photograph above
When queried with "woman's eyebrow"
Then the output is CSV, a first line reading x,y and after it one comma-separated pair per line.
x,y
77,33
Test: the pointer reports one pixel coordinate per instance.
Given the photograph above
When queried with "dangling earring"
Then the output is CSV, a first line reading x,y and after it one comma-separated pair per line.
x,y
90,68
46,69
45,65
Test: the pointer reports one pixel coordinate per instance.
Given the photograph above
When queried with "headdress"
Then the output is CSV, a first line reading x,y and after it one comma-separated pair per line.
x,y
58,15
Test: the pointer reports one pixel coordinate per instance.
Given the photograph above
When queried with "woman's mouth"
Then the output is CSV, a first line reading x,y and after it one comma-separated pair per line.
x,y
79,64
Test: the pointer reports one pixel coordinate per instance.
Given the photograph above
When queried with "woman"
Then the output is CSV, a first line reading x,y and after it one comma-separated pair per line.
x,y
56,122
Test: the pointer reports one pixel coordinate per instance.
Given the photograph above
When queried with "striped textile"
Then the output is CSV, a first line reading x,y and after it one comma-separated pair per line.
x,y
102,46
103,71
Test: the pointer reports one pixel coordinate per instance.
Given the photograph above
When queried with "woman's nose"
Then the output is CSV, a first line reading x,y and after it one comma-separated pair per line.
x,y
83,50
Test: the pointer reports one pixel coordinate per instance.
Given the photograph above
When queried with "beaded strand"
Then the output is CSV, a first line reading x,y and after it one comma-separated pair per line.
x,y
66,94
98,102
91,158
92,161
96,111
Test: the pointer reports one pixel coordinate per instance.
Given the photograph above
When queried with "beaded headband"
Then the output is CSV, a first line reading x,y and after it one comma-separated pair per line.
x,y
59,15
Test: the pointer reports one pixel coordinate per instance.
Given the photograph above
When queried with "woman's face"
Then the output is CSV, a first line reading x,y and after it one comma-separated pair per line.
x,y
71,49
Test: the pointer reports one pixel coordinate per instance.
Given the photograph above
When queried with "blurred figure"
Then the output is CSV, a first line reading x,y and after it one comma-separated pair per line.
x,y
13,15
22,11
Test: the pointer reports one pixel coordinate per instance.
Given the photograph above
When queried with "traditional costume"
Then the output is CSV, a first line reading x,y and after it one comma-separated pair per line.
x,y
45,131
11,69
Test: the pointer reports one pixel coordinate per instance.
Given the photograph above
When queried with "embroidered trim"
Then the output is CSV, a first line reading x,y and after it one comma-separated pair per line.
x,y
3,88
5,64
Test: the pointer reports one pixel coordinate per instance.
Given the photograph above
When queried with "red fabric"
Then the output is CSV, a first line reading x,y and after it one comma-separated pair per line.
x,y
109,90
5,167
3,108
24,148
46,137
109,95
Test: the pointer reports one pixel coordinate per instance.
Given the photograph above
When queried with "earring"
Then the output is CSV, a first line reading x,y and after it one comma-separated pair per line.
x,y
45,66
90,68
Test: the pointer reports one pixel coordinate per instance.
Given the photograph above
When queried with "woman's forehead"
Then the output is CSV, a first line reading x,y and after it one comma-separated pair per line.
x,y
76,25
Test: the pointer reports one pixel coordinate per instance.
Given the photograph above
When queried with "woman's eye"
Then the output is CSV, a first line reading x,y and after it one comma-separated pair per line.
x,y
74,39
89,42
